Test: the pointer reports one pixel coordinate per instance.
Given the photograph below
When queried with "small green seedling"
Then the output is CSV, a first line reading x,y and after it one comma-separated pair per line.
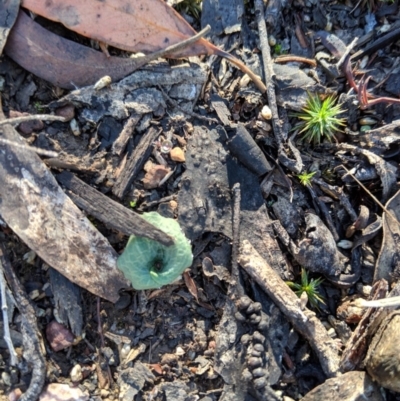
x,y
320,119
147,264
305,178
132,204
310,287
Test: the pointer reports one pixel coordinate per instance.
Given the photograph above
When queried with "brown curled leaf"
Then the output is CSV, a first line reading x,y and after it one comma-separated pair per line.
x,y
60,61
132,25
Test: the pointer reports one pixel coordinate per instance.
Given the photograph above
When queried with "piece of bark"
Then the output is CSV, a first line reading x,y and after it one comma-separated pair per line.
x,y
135,162
222,110
210,174
67,300
112,213
243,146
39,212
351,386
303,320
120,143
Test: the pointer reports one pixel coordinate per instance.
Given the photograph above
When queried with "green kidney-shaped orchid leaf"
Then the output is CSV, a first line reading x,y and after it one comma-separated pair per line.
x,y
149,264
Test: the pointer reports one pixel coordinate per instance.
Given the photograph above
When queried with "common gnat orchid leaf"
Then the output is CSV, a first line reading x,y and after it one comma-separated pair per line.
x,y
147,264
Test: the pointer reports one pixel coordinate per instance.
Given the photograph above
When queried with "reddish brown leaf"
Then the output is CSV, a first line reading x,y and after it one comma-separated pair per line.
x,y
60,61
132,25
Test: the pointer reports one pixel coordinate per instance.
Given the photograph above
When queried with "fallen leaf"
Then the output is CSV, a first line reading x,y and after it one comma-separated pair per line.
x,y
41,214
60,61
156,26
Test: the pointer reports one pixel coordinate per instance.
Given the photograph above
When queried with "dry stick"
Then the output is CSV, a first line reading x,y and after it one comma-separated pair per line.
x,y
268,70
33,117
370,194
235,288
30,334
6,328
303,320
43,152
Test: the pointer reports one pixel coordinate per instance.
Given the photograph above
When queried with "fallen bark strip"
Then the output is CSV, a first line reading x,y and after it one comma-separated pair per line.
x,y
304,321
113,214
135,162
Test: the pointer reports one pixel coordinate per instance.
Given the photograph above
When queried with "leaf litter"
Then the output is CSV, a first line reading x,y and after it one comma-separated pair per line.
x,y
207,335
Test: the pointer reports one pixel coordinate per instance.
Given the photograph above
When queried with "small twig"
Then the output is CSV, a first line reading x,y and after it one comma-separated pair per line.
x,y
288,58
268,70
43,152
303,320
33,351
378,303
33,117
235,288
189,113
370,194
6,328
346,54
343,199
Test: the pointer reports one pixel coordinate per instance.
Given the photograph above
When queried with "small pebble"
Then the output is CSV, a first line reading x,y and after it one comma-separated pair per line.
x,y
68,112
179,351
266,113
58,336
332,333
125,350
73,124
76,374
177,155
255,307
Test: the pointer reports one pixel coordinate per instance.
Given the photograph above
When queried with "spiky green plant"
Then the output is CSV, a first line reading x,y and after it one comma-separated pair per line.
x,y
320,119
305,178
310,287
191,7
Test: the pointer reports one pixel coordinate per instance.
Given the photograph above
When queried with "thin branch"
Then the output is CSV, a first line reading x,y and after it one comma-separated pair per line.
x,y
6,328
33,117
